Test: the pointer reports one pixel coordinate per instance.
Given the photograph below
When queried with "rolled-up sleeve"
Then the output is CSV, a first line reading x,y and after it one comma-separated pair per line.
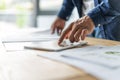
x,y
105,12
66,9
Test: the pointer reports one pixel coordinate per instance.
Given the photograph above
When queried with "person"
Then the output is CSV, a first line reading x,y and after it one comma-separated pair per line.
x,y
103,21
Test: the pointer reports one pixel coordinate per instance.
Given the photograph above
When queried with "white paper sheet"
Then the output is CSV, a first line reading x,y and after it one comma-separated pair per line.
x,y
96,69
104,56
29,37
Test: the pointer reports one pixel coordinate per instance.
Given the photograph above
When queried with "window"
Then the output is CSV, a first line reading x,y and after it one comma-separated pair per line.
x,y
46,11
16,11
50,5
25,12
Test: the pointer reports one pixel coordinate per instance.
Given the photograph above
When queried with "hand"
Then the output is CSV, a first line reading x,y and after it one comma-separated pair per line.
x,y
78,30
58,25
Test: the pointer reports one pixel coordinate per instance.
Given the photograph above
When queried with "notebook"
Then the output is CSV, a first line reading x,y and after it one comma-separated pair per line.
x,y
53,45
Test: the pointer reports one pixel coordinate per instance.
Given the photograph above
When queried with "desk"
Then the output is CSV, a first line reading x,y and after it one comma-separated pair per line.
x,y
25,65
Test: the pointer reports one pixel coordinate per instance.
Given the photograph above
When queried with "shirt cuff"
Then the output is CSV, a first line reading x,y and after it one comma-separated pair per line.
x,y
97,16
63,15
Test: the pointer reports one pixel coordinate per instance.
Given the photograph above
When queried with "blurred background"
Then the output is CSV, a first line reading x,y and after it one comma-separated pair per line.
x,y
30,13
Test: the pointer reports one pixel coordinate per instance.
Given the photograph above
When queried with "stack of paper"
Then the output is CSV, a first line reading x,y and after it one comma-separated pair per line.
x,y
17,41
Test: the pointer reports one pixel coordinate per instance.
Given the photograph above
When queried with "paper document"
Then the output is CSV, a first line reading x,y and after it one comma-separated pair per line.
x,y
30,37
104,56
53,45
94,67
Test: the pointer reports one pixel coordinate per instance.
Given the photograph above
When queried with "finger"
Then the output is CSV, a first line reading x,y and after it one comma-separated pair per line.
x,y
68,34
61,29
78,35
63,36
53,29
84,34
71,38
58,31
65,33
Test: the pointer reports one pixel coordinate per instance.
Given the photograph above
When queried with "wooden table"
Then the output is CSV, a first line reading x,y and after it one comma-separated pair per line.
x,y
25,65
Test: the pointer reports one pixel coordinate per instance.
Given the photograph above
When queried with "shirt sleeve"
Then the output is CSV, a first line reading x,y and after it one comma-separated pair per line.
x,y
105,12
66,9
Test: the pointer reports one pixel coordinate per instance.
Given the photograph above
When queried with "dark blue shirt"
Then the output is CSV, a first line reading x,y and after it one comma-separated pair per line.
x,y
105,15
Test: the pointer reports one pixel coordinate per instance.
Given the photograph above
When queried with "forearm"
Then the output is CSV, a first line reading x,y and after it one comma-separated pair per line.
x,y
104,12
66,9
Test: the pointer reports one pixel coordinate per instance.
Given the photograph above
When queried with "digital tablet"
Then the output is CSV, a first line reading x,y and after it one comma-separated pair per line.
x,y
53,45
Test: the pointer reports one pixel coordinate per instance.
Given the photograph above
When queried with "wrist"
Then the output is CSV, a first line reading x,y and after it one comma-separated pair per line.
x,y
88,19
58,18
